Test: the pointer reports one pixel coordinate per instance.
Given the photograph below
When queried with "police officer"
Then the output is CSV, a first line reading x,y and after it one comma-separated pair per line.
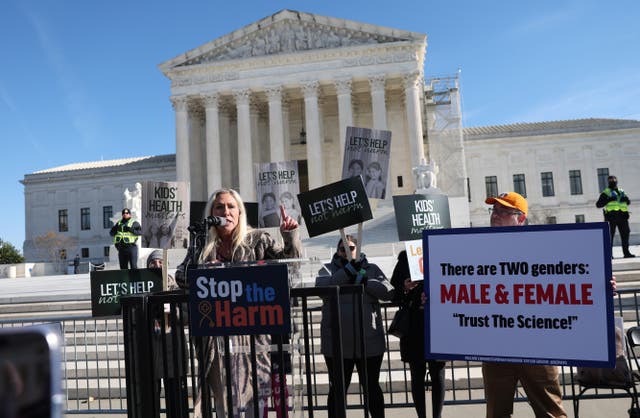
x,y
615,203
125,235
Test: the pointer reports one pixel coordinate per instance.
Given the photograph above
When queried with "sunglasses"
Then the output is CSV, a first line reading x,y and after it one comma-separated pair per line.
x,y
125,213
351,248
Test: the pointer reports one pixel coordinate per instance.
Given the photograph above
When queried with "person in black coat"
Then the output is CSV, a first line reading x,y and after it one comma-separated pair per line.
x,y
615,205
412,345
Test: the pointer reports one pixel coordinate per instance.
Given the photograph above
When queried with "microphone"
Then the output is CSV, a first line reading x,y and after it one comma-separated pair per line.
x,y
215,221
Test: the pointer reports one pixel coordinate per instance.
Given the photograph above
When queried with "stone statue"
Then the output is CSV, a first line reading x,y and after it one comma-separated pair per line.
x,y
425,178
133,201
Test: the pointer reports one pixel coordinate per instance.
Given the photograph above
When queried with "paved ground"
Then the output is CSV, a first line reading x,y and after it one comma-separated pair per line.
x,y
588,409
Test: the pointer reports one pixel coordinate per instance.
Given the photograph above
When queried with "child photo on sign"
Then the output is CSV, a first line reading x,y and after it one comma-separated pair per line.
x,y
290,205
374,185
356,167
269,217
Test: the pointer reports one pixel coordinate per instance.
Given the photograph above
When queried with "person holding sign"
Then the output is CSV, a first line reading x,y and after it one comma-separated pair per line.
x,y
412,346
540,382
232,240
173,375
341,271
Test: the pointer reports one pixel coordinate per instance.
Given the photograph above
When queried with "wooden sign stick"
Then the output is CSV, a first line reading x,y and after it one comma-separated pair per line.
x,y
345,244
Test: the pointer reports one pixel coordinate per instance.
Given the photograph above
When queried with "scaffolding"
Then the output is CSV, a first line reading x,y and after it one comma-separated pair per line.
x,y
444,133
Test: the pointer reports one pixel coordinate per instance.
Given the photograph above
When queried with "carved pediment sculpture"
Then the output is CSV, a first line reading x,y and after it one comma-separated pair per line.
x,y
288,32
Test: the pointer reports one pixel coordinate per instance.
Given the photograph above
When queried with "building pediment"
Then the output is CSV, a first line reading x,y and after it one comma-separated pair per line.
x,y
289,32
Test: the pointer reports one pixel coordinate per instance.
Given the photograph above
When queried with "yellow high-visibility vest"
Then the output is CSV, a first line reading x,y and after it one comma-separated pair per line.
x,y
615,204
126,237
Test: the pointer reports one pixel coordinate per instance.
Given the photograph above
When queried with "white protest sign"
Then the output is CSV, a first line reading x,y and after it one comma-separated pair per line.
x,y
414,257
528,294
366,154
165,214
277,183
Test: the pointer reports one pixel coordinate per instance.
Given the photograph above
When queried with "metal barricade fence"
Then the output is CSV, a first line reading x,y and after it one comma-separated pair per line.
x,y
92,364
95,374
158,348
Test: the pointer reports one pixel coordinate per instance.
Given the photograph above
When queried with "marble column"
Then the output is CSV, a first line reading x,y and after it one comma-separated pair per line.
x,y
226,144
276,124
314,141
212,144
414,117
345,112
379,108
245,154
286,120
256,145
197,161
182,137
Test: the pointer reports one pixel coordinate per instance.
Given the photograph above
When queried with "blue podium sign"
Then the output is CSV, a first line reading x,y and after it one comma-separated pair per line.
x,y
239,300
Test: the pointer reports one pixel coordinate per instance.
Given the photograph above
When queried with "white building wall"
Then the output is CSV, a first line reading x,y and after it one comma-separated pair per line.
x,y
80,186
604,144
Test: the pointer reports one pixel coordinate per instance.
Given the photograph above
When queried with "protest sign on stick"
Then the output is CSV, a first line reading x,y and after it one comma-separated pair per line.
x,y
366,154
420,211
165,214
108,286
334,206
277,184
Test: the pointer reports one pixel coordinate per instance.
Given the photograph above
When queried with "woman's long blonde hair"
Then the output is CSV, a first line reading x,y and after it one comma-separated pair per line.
x,y
239,233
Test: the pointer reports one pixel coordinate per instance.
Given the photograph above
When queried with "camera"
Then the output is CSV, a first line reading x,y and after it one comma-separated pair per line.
x,y
30,371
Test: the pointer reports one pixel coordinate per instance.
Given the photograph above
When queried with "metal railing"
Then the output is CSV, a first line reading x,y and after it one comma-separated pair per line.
x,y
95,381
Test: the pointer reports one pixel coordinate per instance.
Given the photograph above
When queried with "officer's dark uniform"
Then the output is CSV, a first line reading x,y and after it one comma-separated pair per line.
x,y
125,234
615,207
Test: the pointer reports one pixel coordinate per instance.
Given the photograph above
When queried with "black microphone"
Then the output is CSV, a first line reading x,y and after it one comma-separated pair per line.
x,y
215,221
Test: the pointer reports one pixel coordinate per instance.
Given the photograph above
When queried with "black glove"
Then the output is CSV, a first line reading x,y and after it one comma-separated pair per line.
x,y
355,272
357,264
351,270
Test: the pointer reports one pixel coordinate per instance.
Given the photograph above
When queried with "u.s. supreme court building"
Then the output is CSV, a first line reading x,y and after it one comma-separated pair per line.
x,y
288,86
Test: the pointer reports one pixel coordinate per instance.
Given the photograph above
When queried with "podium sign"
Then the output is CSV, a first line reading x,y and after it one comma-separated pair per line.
x,y
239,300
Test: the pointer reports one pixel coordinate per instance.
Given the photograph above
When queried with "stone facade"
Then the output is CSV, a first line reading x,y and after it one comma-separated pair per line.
x,y
91,188
246,97
572,151
494,151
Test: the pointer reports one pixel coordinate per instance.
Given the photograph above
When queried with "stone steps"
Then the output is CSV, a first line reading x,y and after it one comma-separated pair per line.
x,y
93,357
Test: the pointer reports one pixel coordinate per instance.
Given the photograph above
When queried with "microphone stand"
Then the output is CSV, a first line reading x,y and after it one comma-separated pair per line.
x,y
197,239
